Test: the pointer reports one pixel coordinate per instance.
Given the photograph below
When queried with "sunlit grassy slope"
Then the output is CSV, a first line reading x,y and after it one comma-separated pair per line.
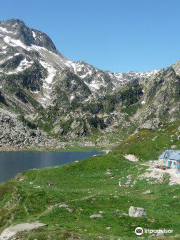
x,y
92,186
148,144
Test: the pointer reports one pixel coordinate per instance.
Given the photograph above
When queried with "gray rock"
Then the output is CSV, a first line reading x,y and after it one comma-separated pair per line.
x,y
101,212
63,206
95,216
176,197
108,151
151,123
70,210
108,228
15,133
160,233
137,212
173,146
148,192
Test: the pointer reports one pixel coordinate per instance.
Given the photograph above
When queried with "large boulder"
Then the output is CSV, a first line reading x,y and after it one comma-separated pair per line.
x,y
137,212
131,157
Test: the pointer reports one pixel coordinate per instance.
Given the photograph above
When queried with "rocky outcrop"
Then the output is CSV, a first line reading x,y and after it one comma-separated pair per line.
x,y
14,133
151,124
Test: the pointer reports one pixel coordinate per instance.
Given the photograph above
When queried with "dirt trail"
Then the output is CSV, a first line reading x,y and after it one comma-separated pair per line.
x,y
154,172
13,230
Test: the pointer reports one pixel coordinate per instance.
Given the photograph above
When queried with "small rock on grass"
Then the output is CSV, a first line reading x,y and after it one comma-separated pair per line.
x,y
137,212
148,192
95,216
160,233
70,210
63,206
108,228
175,196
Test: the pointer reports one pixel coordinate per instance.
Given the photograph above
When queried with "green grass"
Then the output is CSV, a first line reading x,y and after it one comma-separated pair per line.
x,y
148,144
86,188
76,148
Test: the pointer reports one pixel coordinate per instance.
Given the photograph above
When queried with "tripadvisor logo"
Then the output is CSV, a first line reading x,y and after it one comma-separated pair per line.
x,y
138,231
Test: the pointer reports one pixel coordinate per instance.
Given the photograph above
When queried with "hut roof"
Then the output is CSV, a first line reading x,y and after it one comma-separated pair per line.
x,y
171,154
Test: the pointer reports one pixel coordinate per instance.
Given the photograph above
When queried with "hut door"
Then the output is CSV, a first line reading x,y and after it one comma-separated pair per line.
x,y
169,163
174,165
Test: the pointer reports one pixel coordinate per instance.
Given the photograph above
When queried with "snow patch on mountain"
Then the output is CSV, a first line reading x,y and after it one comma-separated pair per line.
x,y
24,65
51,72
93,85
8,58
14,42
34,35
47,84
81,69
150,73
2,29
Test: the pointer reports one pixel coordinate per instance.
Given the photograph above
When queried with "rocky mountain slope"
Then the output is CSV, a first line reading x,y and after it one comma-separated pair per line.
x,y
74,99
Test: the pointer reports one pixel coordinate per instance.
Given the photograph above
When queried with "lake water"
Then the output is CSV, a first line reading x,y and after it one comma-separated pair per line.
x,y
12,163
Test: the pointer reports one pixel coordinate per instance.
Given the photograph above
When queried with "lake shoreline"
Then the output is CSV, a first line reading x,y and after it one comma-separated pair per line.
x,y
69,148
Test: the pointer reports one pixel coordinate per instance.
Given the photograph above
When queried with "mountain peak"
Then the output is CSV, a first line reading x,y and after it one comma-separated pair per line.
x,y
12,22
16,29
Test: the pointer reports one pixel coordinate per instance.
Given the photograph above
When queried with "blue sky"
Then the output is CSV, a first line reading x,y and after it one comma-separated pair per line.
x,y
116,35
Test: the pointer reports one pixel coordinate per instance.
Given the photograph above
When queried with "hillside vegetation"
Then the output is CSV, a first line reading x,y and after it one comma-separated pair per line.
x,y
90,187
149,144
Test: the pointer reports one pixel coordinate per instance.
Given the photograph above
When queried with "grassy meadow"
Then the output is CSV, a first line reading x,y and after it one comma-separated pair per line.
x,y
91,186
